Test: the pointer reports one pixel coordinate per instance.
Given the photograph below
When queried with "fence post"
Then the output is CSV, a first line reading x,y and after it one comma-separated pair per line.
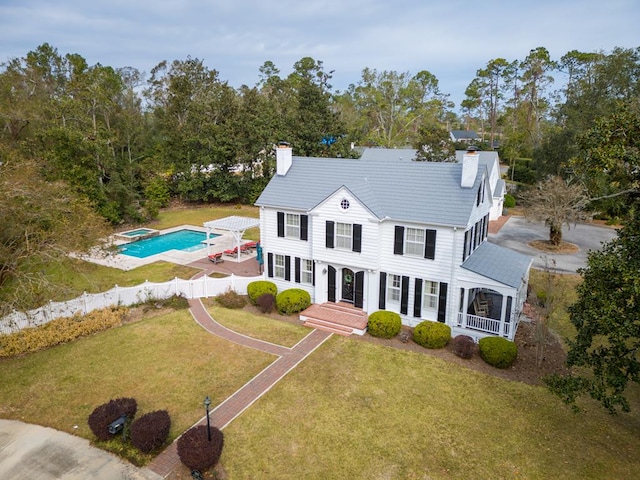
x,y
84,301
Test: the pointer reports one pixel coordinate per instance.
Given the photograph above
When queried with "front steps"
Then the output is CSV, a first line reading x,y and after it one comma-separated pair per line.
x,y
340,318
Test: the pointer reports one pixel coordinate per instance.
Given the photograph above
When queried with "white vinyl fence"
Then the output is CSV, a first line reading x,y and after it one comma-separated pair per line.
x,y
197,288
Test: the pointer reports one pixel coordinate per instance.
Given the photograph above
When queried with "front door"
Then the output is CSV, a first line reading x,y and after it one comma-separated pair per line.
x,y
347,285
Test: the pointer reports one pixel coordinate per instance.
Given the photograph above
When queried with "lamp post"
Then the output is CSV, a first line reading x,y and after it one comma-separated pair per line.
x,y
207,404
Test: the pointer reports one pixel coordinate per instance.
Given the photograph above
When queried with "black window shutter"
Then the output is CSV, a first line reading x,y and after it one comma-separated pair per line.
x,y
270,264
304,227
297,269
466,245
442,302
417,298
357,237
398,241
329,234
430,245
313,274
404,297
358,299
331,283
382,295
287,268
281,224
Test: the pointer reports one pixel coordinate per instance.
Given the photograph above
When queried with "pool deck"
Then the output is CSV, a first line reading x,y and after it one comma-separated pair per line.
x,y
197,259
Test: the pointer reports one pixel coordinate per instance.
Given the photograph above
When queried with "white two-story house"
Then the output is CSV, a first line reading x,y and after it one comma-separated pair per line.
x,y
384,232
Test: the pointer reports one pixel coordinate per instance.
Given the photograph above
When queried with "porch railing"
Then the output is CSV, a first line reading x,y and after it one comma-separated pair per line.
x,y
484,324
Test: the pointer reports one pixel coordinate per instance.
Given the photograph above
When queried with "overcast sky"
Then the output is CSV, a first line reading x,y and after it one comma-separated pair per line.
x,y
450,38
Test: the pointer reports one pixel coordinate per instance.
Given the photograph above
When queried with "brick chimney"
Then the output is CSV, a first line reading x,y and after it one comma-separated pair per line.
x,y
284,158
469,167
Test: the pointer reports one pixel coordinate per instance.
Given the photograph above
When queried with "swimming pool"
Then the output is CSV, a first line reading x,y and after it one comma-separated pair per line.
x,y
184,240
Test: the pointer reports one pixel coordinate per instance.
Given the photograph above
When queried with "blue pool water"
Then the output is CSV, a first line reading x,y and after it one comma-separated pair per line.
x,y
185,240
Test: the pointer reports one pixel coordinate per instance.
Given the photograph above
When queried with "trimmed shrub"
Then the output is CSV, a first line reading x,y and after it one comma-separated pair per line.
x,y
464,346
384,324
258,288
231,299
432,334
509,201
266,303
61,330
150,431
196,451
106,413
293,300
497,351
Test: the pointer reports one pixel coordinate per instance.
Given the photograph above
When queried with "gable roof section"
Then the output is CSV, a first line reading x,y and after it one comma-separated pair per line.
x,y
498,263
390,187
457,135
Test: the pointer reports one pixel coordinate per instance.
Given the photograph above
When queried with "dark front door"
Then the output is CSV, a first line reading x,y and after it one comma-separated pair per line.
x,y
347,285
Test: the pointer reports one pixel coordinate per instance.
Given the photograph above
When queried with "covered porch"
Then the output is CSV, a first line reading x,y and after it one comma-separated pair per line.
x,y
493,289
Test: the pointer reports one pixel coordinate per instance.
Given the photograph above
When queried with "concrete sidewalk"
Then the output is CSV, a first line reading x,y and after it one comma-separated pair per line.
x,y
34,452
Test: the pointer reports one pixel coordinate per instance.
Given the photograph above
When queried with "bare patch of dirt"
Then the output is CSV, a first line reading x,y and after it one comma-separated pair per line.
x,y
548,247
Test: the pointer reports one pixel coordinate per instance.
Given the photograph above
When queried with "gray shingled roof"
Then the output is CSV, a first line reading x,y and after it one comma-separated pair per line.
x,y
498,263
387,184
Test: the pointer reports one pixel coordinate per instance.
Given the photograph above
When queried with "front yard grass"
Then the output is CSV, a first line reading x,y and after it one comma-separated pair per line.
x,y
356,410
269,330
167,362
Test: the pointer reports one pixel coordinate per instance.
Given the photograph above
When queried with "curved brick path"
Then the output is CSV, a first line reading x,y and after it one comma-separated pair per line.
x,y
242,399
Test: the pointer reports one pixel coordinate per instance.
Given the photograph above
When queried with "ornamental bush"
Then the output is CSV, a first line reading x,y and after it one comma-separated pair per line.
x,y
258,288
106,413
432,334
509,201
293,300
266,303
231,299
384,324
150,431
196,451
464,346
497,351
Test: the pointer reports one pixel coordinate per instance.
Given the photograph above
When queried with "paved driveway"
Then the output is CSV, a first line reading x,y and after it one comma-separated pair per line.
x,y
517,233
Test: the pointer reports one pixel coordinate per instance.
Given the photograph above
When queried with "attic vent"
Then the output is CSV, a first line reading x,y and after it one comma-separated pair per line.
x,y
344,204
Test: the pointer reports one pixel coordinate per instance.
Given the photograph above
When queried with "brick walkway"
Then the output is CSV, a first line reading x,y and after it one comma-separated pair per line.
x,y
496,225
242,399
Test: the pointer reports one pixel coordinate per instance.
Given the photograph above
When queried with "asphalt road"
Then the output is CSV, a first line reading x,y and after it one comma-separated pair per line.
x,y
517,233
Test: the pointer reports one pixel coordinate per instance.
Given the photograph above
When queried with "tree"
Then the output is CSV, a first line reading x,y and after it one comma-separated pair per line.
x,y
434,145
42,222
556,202
605,349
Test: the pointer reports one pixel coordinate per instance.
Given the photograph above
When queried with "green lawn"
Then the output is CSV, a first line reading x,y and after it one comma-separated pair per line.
x,y
167,362
274,331
356,410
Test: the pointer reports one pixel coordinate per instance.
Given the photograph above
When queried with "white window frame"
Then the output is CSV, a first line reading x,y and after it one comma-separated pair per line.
x,y
292,225
430,291
278,266
344,238
394,288
306,271
414,241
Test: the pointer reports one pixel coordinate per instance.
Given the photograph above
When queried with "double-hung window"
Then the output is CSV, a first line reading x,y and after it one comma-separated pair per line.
x,y
292,226
394,284
306,271
414,244
344,235
429,295
278,266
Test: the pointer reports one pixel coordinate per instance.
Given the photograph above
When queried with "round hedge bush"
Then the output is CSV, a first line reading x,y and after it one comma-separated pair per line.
x,y
509,201
432,334
293,300
384,324
106,413
150,431
196,451
497,351
464,346
258,288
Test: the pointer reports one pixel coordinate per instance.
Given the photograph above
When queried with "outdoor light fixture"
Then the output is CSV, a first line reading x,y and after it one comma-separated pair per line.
x,y
207,404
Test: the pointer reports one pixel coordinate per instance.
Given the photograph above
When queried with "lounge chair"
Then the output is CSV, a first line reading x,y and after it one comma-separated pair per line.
x,y
216,257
